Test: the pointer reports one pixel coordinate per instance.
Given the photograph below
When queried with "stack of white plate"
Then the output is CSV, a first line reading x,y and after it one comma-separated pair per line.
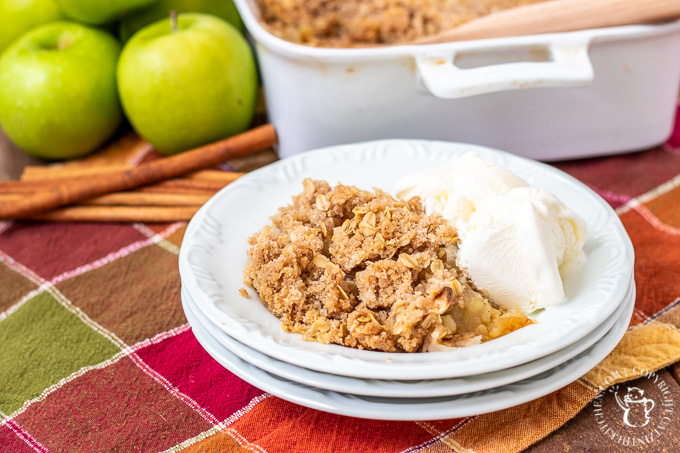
x,y
563,344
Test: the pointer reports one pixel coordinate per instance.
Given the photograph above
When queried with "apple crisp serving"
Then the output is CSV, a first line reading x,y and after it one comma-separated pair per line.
x,y
362,269
348,23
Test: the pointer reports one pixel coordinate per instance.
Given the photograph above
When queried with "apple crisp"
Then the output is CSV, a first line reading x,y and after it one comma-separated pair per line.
x,y
362,269
348,23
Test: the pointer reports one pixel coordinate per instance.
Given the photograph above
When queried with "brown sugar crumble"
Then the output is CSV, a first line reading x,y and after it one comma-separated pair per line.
x,y
362,269
348,23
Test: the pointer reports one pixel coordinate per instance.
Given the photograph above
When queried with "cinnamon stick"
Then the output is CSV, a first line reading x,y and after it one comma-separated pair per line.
x,y
146,173
189,184
161,188
123,214
215,175
208,186
134,199
148,199
42,172
64,173
7,187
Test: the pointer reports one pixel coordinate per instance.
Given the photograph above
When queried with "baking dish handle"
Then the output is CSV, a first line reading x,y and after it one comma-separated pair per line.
x,y
569,65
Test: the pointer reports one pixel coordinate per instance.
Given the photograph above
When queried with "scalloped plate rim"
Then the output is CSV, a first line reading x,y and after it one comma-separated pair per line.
x,y
454,406
383,365
405,389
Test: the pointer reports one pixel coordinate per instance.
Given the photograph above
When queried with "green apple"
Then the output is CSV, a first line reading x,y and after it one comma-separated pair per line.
x,y
99,12
136,20
58,96
19,16
187,83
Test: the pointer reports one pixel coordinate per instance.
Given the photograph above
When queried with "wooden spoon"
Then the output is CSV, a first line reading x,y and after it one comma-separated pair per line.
x,y
558,16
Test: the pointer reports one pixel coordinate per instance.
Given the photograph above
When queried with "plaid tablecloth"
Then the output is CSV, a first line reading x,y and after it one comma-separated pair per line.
x,y
96,354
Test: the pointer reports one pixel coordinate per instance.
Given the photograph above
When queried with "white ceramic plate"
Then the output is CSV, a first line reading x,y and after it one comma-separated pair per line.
x,y
416,408
213,255
404,389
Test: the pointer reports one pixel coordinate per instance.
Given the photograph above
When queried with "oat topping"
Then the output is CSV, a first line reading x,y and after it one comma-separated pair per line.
x,y
335,23
362,269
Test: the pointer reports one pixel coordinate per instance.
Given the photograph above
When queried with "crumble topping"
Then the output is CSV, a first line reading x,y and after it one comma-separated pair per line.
x,y
362,269
348,23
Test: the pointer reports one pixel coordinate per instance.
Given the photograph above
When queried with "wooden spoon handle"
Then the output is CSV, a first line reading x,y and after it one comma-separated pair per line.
x,y
559,16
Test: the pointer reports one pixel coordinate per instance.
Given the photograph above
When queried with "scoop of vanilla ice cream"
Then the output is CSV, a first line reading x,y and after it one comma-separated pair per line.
x,y
454,190
567,228
514,240
514,245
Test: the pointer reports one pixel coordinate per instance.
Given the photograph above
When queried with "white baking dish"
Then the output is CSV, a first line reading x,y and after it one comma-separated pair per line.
x,y
548,97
